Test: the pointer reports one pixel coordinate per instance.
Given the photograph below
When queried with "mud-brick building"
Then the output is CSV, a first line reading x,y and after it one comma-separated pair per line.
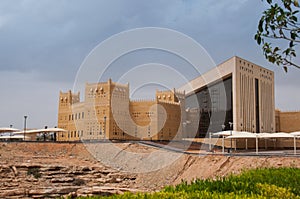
x,y
107,113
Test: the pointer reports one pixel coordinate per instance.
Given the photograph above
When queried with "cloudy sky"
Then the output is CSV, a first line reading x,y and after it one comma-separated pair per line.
x,y
43,43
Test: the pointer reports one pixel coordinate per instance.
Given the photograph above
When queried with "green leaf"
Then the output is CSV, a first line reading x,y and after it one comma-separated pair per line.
x,y
260,25
287,51
275,49
259,40
285,69
294,18
271,59
296,3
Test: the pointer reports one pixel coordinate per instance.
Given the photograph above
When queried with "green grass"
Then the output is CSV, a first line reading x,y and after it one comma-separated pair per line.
x,y
259,183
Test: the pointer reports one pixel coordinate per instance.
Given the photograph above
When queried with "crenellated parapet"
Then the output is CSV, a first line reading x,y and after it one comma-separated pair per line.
x,y
68,98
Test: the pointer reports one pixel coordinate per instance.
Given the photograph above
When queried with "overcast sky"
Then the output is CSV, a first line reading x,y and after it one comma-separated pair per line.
x,y
43,43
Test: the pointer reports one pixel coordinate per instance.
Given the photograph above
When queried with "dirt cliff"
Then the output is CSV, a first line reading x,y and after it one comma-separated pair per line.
x,y
37,170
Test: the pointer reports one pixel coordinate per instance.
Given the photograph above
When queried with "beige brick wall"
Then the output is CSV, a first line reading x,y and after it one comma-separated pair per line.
x,y
107,113
287,121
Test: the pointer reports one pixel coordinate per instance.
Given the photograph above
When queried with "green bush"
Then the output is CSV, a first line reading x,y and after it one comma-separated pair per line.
x,y
274,183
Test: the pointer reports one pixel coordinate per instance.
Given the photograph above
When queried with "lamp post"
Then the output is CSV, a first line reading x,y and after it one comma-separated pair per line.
x,y
230,124
209,142
223,127
104,130
25,118
10,126
100,133
44,134
149,132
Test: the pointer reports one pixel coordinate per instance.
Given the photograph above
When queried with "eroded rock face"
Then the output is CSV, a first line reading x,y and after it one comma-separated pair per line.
x,y
38,180
49,170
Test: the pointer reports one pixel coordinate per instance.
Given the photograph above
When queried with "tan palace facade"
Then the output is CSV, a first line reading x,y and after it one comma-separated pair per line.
x,y
108,113
235,95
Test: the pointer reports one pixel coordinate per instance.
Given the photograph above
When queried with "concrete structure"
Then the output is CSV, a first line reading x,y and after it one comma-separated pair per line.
x,y
108,113
236,95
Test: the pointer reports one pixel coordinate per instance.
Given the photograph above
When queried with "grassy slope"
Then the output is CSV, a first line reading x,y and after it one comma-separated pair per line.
x,y
259,183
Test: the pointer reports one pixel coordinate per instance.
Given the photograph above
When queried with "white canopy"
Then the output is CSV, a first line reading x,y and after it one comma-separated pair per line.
x,y
35,131
260,135
53,130
297,133
226,133
265,135
8,129
14,137
242,135
276,135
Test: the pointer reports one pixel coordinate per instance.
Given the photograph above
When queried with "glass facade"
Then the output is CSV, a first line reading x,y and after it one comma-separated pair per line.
x,y
210,109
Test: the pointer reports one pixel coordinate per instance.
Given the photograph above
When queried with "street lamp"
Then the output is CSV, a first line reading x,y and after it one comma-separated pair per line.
x,y
148,131
104,131
230,124
10,126
223,128
25,118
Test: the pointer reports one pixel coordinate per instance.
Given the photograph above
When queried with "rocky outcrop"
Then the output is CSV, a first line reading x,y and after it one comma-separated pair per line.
x,y
39,180
51,170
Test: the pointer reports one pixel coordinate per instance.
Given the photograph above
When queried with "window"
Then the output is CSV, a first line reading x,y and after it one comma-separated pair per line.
x,y
257,105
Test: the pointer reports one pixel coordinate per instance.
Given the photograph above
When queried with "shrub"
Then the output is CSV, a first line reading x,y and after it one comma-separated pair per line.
x,y
253,184
35,171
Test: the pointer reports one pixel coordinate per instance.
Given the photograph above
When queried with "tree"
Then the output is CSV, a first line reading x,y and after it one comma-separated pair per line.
x,y
280,23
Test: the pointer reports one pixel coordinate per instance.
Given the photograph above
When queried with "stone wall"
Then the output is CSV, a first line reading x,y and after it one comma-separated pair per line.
x,y
287,121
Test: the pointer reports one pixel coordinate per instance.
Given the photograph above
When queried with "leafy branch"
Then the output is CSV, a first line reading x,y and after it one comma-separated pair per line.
x,y
280,23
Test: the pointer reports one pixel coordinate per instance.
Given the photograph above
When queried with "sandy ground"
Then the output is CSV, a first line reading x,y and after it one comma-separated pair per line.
x,y
151,168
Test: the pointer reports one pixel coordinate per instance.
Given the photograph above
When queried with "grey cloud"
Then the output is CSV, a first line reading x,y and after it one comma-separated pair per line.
x,y
51,38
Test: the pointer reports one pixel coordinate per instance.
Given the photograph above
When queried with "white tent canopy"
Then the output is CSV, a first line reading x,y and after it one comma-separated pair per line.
x,y
265,136
8,129
242,135
297,133
276,135
226,133
230,133
14,137
35,131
